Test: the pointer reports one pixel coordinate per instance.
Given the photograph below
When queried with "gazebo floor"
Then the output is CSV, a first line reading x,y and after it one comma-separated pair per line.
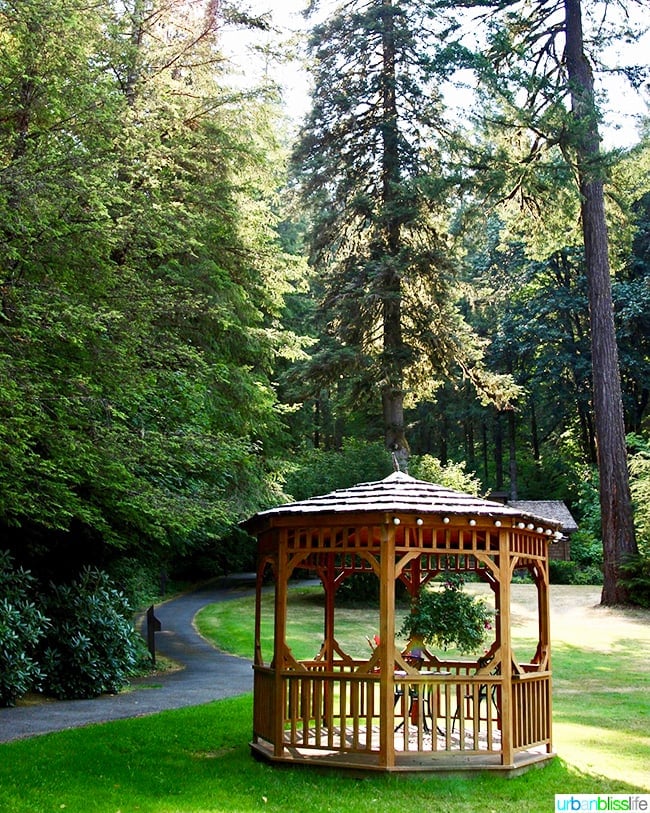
x,y
446,756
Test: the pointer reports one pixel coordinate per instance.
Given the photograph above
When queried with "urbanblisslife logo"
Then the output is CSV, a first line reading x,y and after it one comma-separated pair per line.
x,y
578,802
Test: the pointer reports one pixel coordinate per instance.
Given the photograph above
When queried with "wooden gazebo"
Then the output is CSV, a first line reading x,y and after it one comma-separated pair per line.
x,y
386,710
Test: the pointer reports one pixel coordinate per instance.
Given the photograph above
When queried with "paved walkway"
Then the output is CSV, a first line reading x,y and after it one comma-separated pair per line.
x,y
207,674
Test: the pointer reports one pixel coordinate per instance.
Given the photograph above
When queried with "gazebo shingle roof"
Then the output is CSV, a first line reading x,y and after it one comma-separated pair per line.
x,y
400,492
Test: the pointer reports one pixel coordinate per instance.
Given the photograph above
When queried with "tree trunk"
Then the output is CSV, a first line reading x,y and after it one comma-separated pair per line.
x,y
443,445
512,446
484,450
534,433
394,431
498,452
391,292
615,501
470,451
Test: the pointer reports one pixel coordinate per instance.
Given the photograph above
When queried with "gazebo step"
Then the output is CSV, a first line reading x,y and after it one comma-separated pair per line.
x,y
434,762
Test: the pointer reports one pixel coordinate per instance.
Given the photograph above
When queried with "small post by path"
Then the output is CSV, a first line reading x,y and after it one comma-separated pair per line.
x,y
153,626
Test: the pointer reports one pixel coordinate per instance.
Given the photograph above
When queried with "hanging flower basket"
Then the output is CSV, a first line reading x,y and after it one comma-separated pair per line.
x,y
449,618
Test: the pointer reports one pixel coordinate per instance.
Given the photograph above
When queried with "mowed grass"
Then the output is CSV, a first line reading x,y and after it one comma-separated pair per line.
x,y
197,760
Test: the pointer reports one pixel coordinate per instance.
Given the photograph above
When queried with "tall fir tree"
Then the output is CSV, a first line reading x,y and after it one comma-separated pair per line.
x,y
370,165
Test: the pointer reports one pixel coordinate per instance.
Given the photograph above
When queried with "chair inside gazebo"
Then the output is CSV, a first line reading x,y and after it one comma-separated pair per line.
x,y
397,705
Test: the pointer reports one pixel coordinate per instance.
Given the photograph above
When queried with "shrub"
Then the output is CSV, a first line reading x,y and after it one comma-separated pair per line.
x,y
640,488
92,646
452,475
561,572
139,581
636,578
22,625
362,589
317,471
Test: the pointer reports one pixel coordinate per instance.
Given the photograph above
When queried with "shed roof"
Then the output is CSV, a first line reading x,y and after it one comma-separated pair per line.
x,y
553,509
400,492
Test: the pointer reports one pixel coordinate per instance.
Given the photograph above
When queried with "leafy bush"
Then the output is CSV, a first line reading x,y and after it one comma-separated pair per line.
x,y
640,488
586,551
452,475
561,572
573,572
449,617
91,647
586,544
587,507
22,625
362,589
318,472
139,581
636,578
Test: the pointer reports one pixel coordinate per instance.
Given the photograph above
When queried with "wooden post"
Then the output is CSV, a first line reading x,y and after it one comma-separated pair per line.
x,y
328,626
544,610
258,658
387,646
507,753
279,642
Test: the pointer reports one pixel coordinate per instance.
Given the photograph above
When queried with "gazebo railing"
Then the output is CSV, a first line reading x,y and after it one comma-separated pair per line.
x,y
531,703
434,712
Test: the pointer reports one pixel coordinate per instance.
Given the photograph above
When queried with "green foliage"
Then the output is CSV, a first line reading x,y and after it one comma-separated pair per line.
x,y
138,580
235,552
636,579
586,562
91,646
452,475
141,285
449,618
317,471
587,553
588,505
574,572
561,572
640,488
22,625
358,589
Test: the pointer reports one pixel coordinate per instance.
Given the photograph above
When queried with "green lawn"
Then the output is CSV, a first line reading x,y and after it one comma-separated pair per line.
x,y
197,760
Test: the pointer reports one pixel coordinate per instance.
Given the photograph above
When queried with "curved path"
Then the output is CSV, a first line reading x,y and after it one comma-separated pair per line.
x,y
207,674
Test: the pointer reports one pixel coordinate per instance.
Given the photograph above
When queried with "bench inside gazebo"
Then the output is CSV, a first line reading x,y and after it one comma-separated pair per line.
x,y
397,709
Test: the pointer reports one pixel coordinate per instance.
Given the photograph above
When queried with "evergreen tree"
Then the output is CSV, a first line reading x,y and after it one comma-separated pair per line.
x,y
370,161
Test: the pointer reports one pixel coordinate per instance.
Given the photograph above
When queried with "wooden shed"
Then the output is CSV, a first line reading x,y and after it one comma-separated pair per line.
x,y
385,710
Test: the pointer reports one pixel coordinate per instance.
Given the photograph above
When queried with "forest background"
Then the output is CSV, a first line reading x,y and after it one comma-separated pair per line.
x,y
195,305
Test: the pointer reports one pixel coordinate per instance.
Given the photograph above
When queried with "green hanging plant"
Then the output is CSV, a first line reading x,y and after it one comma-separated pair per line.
x,y
449,618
